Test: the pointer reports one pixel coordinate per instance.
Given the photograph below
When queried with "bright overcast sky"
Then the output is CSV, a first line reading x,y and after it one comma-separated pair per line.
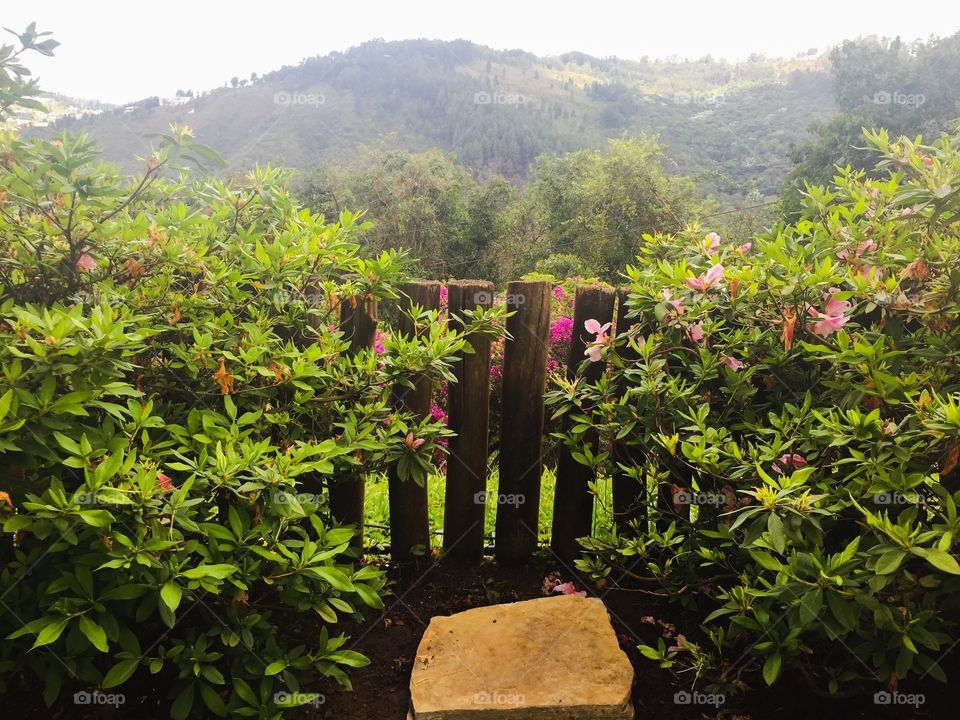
x,y
118,51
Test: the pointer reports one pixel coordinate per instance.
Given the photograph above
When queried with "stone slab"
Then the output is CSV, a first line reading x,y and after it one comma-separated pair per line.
x,y
554,658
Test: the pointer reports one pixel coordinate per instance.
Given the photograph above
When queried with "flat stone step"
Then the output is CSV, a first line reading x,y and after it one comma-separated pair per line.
x,y
554,658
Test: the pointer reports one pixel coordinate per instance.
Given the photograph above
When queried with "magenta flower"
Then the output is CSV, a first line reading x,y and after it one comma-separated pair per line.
x,y
677,305
559,293
695,332
732,363
600,337
789,461
85,263
711,278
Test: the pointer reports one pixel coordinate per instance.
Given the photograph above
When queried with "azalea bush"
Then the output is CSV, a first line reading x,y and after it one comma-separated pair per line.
x,y
176,400
791,408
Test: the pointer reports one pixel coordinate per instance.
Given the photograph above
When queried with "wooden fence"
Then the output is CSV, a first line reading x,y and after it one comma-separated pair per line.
x,y
521,431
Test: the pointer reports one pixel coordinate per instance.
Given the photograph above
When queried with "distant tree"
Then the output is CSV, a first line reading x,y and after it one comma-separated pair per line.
x,y
234,81
254,77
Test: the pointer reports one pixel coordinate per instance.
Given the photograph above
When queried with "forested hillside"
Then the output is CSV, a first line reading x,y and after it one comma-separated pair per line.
x,y
727,125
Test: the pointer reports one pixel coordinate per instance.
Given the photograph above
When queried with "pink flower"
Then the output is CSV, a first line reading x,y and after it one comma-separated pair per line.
x,y
648,620
568,588
788,461
695,332
713,242
166,485
678,645
443,296
711,278
559,293
85,263
745,248
732,363
833,318
413,444
601,337
677,305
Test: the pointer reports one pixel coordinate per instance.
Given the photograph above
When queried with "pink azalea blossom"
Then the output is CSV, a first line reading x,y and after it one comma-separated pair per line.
x,y
745,248
790,461
695,332
833,317
85,263
713,242
600,337
413,444
678,646
559,293
166,485
711,278
677,305
568,588
732,363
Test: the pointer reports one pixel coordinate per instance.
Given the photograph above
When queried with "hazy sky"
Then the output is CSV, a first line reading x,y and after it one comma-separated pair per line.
x,y
125,50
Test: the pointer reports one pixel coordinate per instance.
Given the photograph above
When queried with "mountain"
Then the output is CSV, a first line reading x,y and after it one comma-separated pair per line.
x,y
728,125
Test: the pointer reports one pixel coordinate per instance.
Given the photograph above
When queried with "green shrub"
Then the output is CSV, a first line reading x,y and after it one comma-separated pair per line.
x,y
176,398
796,405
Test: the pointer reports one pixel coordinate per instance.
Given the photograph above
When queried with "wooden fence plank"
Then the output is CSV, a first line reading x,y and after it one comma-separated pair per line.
x,y
521,434
468,415
409,520
573,500
358,320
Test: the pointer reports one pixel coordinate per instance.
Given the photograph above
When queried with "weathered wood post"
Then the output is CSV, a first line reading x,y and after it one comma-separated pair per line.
x,y
521,433
358,321
573,501
468,415
409,517
629,493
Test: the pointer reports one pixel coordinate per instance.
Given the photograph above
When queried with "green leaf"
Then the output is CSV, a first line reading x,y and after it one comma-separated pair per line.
x,y
51,632
120,672
182,704
771,668
777,535
94,633
939,559
275,668
204,571
889,561
170,594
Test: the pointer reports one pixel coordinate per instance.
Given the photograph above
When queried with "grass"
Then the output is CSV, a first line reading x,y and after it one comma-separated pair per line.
x,y
378,507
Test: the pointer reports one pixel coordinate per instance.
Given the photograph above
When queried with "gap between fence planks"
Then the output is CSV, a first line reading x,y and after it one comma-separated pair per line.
x,y
573,499
468,415
409,515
